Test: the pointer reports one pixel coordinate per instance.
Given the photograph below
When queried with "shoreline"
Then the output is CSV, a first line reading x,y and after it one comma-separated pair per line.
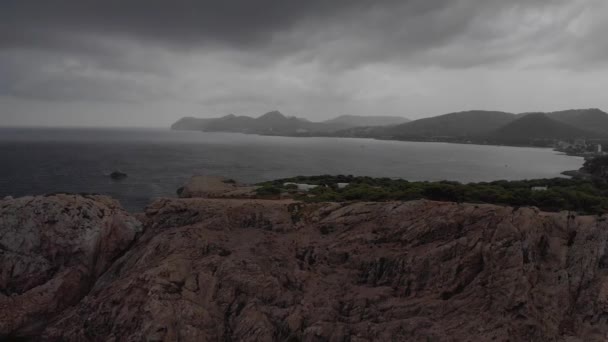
x,y
397,140
577,174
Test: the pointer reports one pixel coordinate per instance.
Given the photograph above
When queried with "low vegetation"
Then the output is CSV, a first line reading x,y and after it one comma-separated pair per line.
x,y
583,196
269,190
597,167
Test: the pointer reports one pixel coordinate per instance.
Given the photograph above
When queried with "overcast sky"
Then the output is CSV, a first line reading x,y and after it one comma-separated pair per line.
x,y
150,62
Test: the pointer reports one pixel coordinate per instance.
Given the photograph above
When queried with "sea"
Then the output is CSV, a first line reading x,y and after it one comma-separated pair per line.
x,y
158,161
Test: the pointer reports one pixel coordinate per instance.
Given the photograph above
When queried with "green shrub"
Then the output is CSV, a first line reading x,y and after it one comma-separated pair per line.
x,y
268,190
583,196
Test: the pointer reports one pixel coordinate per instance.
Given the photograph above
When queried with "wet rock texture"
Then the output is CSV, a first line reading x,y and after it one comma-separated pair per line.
x,y
52,249
253,270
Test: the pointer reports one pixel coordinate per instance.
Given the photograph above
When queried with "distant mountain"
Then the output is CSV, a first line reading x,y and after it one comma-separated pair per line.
x,y
478,126
190,124
593,119
460,124
349,121
537,127
275,123
270,123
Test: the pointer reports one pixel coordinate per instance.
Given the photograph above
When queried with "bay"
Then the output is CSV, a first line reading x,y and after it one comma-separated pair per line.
x,y
78,160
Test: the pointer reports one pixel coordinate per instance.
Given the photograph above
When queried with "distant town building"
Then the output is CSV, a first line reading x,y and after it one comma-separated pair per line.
x,y
539,188
580,143
599,148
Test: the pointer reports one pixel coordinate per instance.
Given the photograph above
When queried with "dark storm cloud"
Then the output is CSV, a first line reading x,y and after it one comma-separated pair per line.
x,y
319,56
241,22
338,33
396,26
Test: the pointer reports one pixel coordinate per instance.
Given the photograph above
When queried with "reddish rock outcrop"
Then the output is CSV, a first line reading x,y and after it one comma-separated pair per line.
x,y
52,250
215,187
252,270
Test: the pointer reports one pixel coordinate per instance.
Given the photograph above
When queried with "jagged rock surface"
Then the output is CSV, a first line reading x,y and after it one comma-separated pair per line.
x,y
252,270
52,249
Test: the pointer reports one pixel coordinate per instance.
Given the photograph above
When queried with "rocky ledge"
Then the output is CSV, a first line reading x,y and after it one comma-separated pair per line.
x,y
263,270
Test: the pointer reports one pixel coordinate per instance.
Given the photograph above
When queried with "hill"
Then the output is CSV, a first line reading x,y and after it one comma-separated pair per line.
x,y
537,127
460,124
593,119
349,121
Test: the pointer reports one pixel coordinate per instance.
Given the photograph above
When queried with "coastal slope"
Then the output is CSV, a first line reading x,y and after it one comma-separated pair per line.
x,y
280,270
462,124
537,126
593,119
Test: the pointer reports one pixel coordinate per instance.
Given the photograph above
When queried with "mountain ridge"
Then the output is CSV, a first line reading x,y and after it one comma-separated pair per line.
x,y
480,126
275,122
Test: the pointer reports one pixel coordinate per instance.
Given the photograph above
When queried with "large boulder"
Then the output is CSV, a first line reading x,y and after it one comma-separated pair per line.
x,y
52,250
254,270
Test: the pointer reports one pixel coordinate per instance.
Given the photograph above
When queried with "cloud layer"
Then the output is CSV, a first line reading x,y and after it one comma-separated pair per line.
x,y
149,62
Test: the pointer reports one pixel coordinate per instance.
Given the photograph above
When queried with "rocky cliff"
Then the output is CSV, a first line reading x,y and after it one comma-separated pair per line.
x,y
52,250
255,270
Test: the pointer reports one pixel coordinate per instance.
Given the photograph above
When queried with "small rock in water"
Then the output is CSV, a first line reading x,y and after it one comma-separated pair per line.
x,y
117,175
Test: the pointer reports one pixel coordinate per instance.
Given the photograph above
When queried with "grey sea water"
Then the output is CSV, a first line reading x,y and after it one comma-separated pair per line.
x,y
38,161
